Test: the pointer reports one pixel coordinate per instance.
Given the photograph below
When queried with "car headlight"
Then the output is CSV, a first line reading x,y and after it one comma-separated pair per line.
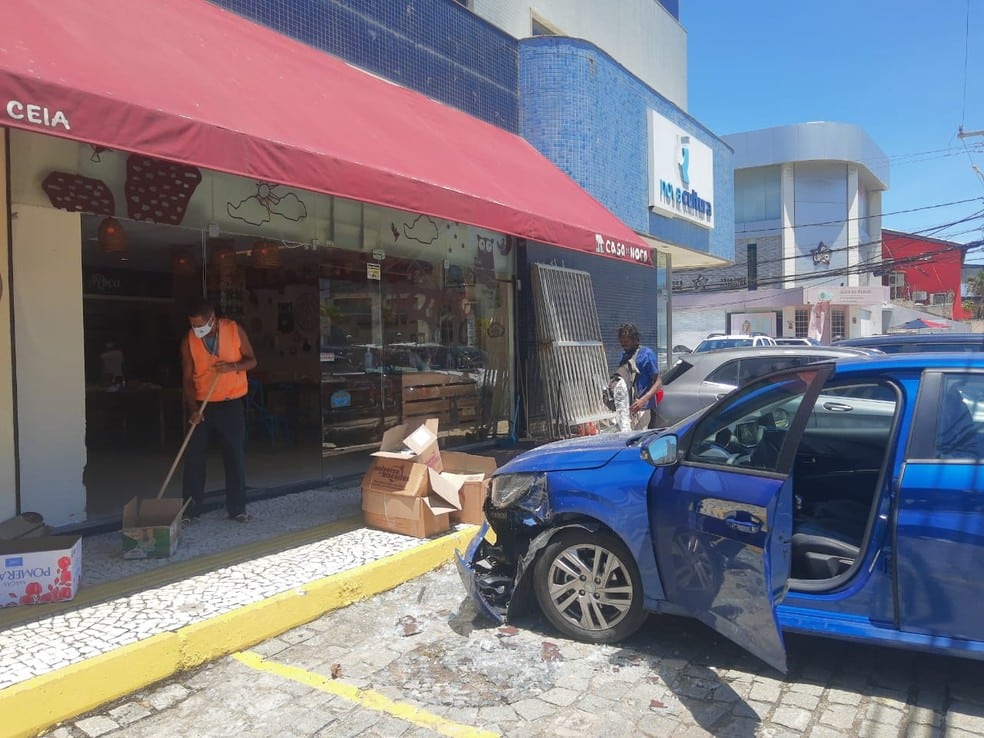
x,y
510,488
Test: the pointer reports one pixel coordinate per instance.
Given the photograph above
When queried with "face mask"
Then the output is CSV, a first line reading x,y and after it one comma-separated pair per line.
x,y
201,331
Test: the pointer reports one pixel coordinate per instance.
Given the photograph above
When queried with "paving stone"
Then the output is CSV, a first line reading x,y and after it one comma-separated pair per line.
x,y
843,697
799,699
916,730
768,691
841,717
129,713
560,696
824,731
878,713
792,717
96,726
963,716
870,729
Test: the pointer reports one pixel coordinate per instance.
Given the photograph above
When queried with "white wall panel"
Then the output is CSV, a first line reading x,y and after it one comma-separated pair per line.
x,y
640,34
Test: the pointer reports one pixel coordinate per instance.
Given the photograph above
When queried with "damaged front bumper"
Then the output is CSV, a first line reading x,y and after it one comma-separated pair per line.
x,y
489,588
495,575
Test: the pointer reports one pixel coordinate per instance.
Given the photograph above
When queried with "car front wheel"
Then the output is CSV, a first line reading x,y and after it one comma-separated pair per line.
x,y
588,587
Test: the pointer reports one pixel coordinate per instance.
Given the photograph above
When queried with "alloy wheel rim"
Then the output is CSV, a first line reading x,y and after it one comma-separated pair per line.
x,y
590,587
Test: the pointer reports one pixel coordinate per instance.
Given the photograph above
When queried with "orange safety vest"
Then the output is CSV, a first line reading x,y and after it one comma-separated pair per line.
x,y
231,385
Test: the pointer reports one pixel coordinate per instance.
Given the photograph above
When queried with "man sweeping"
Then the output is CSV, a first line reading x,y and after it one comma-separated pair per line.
x,y
216,349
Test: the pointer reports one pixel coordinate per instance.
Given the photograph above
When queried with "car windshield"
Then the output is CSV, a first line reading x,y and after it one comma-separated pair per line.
x,y
712,344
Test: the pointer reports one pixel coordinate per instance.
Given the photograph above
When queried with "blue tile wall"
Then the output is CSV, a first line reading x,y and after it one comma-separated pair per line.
x,y
588,114
436,47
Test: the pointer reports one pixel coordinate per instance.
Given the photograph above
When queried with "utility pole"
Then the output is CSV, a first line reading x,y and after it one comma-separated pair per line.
x,y
961,133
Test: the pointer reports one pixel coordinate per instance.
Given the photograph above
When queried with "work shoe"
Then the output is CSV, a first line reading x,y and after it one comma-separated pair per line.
x,y
241,518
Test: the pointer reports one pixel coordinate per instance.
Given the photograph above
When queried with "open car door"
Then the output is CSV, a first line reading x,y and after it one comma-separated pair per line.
x,y
721,515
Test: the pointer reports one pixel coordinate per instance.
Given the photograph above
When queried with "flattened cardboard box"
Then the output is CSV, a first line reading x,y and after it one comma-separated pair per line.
x,y
151,528
420,516
39,570
471,472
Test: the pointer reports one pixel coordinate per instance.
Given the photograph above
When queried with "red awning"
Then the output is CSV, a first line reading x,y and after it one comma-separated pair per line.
x,y
187,81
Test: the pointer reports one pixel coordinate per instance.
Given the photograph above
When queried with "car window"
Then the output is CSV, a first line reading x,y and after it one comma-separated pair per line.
x,y
752,369
749,431
713,344
727,373
860,405
960,423
676,371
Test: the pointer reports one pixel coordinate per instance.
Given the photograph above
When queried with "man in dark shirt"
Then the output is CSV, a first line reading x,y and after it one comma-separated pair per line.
x,y
648,383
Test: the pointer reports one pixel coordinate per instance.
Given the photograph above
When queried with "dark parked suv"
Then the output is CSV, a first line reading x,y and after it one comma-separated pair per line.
x,y
907,343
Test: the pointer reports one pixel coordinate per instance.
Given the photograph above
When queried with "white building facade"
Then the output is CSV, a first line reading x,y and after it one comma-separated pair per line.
x,y
808,203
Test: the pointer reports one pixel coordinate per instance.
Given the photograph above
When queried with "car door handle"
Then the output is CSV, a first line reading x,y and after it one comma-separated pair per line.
x,y
837,407
743,526
720,395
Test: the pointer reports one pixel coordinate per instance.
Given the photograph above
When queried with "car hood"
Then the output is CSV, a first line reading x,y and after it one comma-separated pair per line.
x,y
588,452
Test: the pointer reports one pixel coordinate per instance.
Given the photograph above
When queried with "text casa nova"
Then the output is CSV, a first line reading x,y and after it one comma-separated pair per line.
x,y
37,115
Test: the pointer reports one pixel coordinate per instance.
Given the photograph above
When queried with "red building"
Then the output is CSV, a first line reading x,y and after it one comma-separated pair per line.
x,y
924,272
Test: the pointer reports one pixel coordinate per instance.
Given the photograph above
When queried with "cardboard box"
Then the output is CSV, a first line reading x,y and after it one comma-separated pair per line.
x,y
402,461
151,528
471,473
415,515
27,525
38,570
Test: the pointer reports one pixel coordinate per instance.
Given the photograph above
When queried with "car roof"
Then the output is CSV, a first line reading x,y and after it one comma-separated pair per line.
x,y
737,352
914,338
916,362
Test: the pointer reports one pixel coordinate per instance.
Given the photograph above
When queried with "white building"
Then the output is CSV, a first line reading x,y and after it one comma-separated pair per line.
x,y
808,203
644,36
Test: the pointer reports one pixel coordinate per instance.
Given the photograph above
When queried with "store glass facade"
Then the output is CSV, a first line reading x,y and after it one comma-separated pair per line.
x,y
362,317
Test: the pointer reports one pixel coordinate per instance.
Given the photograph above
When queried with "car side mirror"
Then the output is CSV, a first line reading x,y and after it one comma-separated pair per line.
x,y
661,451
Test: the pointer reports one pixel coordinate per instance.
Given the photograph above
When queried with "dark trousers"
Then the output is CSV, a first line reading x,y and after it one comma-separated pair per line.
x,y
226,421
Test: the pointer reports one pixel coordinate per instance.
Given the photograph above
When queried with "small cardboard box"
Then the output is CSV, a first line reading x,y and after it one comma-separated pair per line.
x,y
151,528
402,461
415,515
38,570
471,473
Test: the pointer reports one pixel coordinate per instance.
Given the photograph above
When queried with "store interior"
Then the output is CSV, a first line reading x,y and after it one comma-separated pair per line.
x,y
346,347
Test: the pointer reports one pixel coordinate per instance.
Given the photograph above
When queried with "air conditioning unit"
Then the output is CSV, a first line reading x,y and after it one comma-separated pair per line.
x,y
920,296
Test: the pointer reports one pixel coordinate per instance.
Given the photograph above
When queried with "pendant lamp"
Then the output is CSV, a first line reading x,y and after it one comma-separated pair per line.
x,y
112,239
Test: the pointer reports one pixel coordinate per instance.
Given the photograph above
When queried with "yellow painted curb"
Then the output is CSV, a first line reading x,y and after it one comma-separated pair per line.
x,y
30,707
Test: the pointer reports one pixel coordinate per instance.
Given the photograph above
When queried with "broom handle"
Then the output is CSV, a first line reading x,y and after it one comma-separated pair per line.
x,y
187,438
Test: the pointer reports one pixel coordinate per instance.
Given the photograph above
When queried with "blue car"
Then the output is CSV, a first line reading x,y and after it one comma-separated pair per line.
x,y
841,499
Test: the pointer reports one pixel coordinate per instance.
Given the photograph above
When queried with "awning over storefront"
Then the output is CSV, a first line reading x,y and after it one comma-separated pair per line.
x,y
187,81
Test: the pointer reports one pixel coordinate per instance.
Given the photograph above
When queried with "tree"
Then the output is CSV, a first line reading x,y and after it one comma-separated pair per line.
x,y
975,285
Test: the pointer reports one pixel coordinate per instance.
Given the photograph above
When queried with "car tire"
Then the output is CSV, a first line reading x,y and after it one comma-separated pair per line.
x,y
583,607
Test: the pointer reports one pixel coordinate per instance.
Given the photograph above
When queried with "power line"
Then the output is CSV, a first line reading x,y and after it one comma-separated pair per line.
x,y
845,221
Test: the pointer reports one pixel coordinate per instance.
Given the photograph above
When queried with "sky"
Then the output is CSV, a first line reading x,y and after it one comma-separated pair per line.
x,y
894,67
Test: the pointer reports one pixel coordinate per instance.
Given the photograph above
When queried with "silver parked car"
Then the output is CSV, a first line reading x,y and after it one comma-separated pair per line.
x,y
699,379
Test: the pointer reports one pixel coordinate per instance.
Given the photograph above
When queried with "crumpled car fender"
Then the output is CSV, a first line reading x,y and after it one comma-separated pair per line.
x,y
521,582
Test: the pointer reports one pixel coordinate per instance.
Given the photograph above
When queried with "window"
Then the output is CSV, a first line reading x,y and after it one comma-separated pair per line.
x,y
749,430
758,194
941,298
896,283
751,265
960,423
802,323
725,374
754,368
838,323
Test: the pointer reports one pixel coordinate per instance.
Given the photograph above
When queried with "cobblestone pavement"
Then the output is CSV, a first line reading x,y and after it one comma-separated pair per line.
x,y
49,643
415,662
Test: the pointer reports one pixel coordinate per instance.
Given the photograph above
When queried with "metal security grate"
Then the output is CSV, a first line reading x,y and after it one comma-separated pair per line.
x,y
572,365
